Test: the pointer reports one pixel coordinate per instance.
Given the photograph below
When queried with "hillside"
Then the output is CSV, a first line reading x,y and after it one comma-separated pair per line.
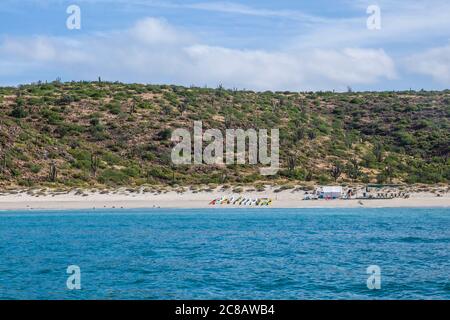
x,y
87,134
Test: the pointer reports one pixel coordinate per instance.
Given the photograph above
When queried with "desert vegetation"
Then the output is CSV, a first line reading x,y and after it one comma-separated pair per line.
x,y
84,134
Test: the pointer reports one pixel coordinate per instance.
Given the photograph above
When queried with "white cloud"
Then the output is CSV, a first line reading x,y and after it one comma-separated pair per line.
x,y
158,31
41,49
316,69
155,51
434,62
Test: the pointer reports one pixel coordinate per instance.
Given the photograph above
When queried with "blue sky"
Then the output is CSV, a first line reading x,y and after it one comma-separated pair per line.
x,y
261,45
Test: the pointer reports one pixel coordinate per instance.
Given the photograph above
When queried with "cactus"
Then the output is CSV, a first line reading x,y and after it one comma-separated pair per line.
x,y
3,164
378,152
95,162
133,107
182,107
353,169
173,168
4,160
53,172
292,162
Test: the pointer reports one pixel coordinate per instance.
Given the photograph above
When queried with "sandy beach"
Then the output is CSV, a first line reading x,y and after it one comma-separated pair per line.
x,y
141,198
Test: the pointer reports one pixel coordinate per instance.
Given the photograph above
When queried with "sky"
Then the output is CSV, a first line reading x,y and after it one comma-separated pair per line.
x,y
258,45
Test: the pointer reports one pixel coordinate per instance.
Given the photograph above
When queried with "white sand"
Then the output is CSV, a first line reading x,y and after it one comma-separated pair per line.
x,y
123,199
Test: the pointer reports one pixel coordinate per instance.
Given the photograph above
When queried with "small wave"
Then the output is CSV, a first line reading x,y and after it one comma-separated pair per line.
x,y
422,240
44,271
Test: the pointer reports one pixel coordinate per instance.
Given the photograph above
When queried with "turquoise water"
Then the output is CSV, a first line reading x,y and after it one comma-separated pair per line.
x,y
226,253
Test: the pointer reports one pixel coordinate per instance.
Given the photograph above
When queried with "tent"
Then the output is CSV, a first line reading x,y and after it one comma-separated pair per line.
x,y
331,192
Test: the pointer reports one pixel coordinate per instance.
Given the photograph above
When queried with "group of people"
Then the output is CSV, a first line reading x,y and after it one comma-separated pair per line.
x,y
242,201
325,193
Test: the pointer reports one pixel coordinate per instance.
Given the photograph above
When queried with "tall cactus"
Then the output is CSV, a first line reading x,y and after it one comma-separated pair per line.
x,y
132,107
95,162
53,172
3,163
4,159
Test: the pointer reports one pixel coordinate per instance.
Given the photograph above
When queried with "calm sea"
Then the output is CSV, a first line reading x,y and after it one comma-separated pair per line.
x,y
226,253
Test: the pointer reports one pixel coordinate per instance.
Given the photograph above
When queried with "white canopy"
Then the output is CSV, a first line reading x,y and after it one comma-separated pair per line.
x,y
332,189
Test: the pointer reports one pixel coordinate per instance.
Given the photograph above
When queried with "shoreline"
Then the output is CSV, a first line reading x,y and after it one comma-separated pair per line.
x,y
126,199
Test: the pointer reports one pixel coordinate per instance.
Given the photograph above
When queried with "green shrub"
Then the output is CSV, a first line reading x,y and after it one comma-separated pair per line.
x,y
114,108
113,177
80,154
131,171
111,158
35,168
19,112
165,134
51,116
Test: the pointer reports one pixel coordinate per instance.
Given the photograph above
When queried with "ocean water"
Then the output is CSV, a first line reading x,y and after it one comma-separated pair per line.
x,y
226,253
